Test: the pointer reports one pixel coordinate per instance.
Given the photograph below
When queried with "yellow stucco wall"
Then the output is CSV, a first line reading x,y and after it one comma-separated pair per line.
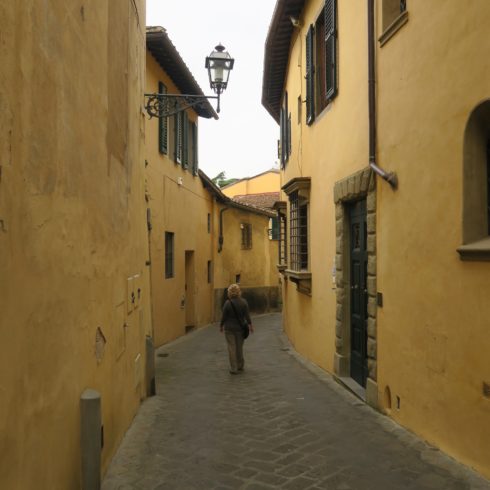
x,y
265,182
179,204
433,328
326,152
72,231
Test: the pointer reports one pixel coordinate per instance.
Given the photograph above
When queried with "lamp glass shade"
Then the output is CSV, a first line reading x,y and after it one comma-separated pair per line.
x,y
219,64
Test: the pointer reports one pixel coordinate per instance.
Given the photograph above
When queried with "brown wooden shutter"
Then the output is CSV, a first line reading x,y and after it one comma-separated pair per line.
x,y
310,76
331,48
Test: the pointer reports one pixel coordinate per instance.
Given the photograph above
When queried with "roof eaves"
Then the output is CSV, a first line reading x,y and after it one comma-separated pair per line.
x,y
166,54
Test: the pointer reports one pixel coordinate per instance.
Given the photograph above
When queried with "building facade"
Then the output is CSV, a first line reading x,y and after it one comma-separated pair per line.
x,y
385,207
74,282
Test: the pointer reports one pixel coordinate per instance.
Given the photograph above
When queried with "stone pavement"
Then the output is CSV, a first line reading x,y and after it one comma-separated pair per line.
x,y
281,424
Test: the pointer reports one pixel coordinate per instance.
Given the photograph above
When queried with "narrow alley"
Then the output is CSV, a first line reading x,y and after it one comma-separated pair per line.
x,y
281,424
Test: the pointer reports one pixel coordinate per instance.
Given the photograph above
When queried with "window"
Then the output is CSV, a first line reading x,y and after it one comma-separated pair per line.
x,y
298,225
246,235
285,130
392,9
169,255
185,139
209,272
209,223
321,61
162,125
476,186
283,254
195,163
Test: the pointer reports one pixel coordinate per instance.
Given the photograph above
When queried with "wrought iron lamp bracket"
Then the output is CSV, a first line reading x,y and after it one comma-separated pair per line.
x,y
165,105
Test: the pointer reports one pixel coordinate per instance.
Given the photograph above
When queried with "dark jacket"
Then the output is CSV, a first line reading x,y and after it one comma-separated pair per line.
x,y
228,317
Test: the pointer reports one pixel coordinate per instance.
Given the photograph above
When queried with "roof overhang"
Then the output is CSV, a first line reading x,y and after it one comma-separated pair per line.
x,y
167,56
276,54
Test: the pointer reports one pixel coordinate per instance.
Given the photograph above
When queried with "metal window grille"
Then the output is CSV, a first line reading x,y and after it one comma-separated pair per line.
x,y
246,235
298,223
169,254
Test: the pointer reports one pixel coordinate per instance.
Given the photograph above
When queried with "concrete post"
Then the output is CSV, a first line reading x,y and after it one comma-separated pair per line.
x,y
150,367
91,439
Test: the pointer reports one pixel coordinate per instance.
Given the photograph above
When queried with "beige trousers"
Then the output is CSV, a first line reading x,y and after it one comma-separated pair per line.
x,y
234,340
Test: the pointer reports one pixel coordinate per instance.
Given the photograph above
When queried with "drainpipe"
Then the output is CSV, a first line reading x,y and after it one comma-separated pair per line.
x,y
220,240
390,177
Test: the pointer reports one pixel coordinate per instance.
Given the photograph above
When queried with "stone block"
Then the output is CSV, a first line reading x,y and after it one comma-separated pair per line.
x,y
340,294
339,210
371,285
339,279
371,266
339,227
371,202
373,369
340,312
372,393
339,244
371,327
339,263
366,174
339,328
372,306
339,343
371,348
371,223
351,186
336,194
371,243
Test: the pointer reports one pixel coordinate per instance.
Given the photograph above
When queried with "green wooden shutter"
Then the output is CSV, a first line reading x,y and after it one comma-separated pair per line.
x,y
185,140
281,137
162,125
330,49
195,163
310,76
178,137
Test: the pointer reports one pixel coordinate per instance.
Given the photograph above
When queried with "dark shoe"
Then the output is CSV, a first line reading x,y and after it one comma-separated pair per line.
x,y
240,369
233,372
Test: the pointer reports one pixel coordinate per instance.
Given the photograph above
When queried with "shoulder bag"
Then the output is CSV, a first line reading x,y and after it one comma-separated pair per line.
x,y
242,322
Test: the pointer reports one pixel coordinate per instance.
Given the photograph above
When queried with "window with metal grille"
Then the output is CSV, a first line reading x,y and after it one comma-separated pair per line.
x,y
209,272
246,235
162,125
209,223
274,231
298,231
169,254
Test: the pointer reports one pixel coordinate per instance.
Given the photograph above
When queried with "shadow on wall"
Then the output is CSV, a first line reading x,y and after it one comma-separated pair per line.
x,y
260,299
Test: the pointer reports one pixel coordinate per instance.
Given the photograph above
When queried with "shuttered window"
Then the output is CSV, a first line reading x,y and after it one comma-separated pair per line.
x,y
310,76
169,255
488,185
330,49
162,125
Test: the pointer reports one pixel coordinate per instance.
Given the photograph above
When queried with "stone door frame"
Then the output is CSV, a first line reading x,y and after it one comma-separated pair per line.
x,y
360,185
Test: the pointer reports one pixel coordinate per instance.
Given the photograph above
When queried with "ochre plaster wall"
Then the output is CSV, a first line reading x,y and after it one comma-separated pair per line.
x,y
180,208
265,182
72,230
433,327
326,152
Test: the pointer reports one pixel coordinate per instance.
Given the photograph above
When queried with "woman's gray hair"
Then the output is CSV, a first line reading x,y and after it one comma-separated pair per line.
x,y
234,291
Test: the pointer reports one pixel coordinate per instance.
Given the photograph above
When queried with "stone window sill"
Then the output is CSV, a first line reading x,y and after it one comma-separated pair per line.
x,y
281,268
302,279
477,251
393,28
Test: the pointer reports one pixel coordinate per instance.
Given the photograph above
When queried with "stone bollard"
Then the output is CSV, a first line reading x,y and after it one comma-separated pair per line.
x,y
150,367
91,446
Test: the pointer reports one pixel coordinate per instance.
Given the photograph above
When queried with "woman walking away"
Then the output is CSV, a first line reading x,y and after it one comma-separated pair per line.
x,y
235,316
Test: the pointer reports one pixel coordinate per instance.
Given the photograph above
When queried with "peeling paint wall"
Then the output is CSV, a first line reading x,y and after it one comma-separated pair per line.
x,y
72,232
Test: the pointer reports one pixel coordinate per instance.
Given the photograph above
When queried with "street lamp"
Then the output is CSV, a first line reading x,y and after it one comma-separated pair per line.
x,y
219,64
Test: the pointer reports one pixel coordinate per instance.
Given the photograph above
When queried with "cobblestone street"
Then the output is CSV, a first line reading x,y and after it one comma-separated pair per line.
x,y
281,424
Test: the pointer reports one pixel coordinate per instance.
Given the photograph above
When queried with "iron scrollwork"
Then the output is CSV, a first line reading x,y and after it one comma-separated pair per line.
x,y
165,105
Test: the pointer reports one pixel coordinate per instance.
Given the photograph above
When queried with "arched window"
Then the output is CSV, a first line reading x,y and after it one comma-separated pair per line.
x,y
476,185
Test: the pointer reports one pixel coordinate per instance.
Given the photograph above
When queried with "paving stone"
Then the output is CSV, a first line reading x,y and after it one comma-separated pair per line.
x,y
277,425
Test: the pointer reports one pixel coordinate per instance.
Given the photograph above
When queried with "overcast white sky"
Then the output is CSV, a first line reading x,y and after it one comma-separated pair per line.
x,y
243,142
